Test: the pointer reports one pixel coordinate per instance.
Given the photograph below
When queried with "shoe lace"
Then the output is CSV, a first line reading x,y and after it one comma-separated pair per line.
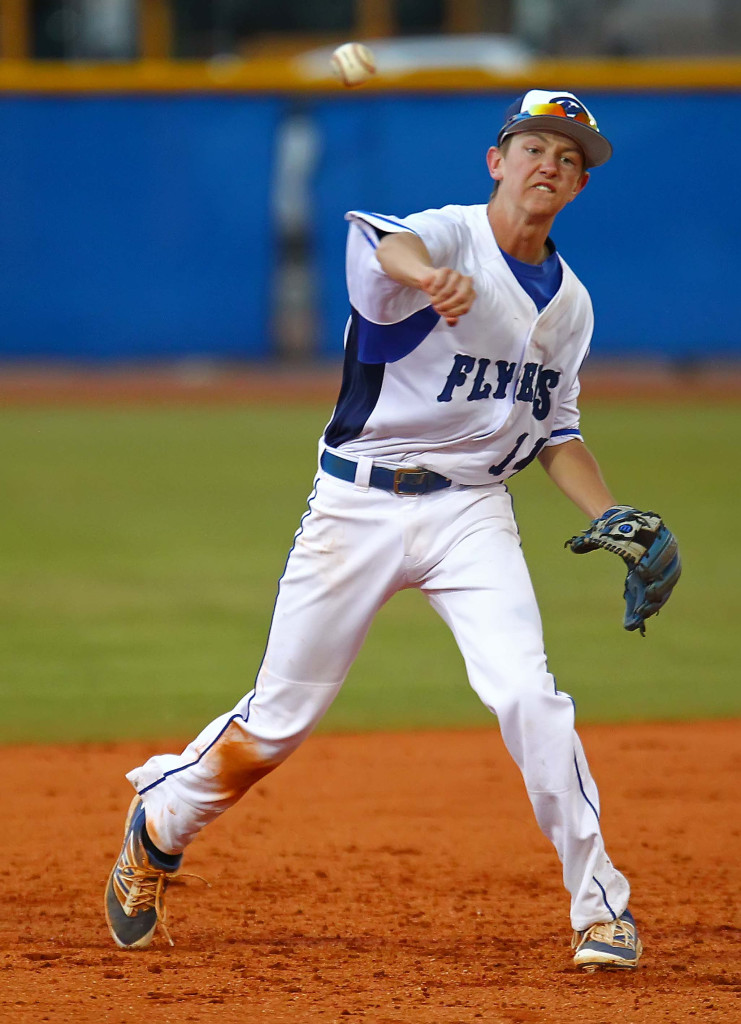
x,y
147,887
613,933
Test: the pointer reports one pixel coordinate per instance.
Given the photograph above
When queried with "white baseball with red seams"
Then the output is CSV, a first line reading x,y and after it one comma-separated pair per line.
x,y
353,64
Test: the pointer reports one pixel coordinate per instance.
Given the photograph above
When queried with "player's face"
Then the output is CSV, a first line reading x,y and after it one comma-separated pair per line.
x,y
538,171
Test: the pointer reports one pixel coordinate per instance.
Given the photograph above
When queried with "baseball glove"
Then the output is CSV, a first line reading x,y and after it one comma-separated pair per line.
x,y
649,550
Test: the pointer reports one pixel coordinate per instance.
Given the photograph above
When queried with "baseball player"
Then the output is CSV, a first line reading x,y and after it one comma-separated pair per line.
x,y
462,354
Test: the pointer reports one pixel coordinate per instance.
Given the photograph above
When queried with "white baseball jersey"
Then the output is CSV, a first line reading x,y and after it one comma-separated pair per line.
x,y
475,402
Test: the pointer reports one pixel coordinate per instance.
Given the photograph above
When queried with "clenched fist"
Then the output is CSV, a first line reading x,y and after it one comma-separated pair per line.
x,y
451,293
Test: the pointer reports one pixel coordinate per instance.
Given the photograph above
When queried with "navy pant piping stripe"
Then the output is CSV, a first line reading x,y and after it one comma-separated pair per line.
x,y
581,787
604,897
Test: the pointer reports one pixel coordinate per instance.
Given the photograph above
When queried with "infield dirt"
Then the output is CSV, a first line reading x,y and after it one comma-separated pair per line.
x,y
195,383
388,878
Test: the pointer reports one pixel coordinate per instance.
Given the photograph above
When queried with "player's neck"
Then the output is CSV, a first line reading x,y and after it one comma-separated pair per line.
x,y
518,235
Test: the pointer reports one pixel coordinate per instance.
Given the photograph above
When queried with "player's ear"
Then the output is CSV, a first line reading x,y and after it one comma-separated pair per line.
x,y
494,163
581,184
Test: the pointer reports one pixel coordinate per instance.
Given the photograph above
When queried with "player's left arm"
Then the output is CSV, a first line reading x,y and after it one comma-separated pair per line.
x,y
575,471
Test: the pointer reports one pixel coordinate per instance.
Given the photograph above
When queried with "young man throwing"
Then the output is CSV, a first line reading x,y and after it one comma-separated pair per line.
x,y
462,354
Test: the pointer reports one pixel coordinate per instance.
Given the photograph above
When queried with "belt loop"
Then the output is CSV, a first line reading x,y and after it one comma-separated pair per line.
x,y
363,473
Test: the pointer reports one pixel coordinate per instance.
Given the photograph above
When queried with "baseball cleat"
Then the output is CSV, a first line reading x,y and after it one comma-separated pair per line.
x,y
135,893
609,945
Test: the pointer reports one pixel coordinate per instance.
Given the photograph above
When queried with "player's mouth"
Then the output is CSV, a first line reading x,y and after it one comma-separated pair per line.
x,y
543,186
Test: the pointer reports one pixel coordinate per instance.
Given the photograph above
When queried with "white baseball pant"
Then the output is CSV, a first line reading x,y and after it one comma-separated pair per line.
x,y
355,548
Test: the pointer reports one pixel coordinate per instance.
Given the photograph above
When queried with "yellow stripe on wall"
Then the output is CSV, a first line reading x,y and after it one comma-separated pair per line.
x,y
262,75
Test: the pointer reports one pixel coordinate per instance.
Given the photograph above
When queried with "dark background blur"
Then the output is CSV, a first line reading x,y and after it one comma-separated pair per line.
x,y
202,28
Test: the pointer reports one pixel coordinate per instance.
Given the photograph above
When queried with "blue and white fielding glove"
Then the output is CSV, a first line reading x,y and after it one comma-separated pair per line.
x,y
647,547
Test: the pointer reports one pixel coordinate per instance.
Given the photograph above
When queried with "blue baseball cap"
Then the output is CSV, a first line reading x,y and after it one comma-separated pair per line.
x,y
557,112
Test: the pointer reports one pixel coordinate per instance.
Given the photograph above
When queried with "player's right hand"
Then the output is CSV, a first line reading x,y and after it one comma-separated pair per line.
x,y
451,293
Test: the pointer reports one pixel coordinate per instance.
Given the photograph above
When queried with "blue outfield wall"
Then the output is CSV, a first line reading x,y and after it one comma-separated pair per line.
x,y
141,227
135,227
653,236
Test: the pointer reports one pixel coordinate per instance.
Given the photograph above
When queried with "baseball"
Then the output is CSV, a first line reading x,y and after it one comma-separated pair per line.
x,y
353,64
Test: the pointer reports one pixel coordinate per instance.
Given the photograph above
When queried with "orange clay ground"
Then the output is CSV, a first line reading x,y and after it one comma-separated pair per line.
x,y
389,879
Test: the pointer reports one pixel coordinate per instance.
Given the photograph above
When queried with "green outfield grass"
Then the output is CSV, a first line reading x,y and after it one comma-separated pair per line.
x,y
140,551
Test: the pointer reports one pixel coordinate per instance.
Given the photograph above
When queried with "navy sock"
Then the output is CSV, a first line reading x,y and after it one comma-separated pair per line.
x,y
168,861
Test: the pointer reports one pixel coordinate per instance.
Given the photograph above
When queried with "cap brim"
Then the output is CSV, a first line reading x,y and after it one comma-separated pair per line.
x,y
597,150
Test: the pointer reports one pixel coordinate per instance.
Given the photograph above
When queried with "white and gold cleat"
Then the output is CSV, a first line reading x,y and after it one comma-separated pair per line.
x,y
608,945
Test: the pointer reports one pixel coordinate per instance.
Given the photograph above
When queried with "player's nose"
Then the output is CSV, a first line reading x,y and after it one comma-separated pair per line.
x,y
548,164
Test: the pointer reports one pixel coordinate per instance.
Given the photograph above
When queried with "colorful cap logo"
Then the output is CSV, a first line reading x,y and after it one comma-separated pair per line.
x,y
557,112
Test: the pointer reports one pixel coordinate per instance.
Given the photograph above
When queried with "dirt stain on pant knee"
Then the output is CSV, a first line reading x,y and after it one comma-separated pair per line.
x,y
237,761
